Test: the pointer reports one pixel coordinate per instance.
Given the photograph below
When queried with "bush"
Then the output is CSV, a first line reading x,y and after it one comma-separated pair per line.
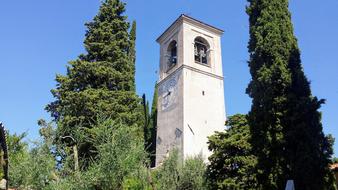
x,y
175,175
29,169
119,162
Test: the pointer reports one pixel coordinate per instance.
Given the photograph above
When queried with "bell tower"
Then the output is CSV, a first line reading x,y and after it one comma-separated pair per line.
x,y
190,88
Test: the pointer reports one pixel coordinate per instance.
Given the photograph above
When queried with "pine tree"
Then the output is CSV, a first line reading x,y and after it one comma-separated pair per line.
x,y
99,83
285,123
132,51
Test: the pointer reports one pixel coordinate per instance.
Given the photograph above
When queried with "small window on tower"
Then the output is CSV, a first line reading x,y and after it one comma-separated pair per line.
x,y
201,51
172,54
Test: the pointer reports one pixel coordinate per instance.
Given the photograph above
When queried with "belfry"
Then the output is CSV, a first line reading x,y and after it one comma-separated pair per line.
x,y
190,88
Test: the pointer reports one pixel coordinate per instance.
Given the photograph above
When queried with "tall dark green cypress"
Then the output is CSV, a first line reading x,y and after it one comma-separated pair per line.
x,y
153,127
101,82
150,126
146,123
285,123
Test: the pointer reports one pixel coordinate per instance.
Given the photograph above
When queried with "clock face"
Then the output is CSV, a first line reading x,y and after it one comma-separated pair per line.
x,y
168,92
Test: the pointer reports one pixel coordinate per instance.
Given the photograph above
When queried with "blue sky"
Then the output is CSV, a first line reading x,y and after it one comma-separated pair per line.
x,y
39,37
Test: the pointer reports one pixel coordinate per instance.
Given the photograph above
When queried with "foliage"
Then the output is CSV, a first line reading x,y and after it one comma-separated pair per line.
x,y
19,160
2,172
150,126
335,160
174,174
283,131
232,162
153,127
100,82
147,122
132,50
29,169
41,167
3,153
119,156
193,174
167,175
285,123
120,160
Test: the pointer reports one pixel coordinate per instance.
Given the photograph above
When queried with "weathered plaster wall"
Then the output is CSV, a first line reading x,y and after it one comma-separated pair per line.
x,y
191,95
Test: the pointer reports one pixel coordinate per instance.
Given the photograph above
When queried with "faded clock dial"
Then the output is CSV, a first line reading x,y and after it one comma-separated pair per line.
x,y
168,91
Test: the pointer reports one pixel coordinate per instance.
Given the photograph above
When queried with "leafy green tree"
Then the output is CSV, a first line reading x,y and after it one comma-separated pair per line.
x,y
119,156
193,174
167,177
19,159
232,164
120,160
287,134
100,82
30,169
41,167
174,174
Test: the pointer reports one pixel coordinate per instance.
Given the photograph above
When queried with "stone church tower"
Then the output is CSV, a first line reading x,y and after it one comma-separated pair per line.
x,y
190,88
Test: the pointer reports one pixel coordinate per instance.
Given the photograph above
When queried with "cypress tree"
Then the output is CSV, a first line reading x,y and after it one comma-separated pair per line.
x,y
153,127
146,123
150,127
99,83
284,120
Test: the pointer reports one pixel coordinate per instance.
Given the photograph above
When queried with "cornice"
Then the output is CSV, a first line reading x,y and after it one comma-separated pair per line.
x,y
187,19
192,69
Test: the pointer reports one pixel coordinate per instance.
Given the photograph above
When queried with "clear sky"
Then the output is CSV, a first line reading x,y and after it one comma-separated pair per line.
x,y
39,37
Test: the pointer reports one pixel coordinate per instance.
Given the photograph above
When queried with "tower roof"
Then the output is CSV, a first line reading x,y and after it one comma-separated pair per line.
x,y
190,20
